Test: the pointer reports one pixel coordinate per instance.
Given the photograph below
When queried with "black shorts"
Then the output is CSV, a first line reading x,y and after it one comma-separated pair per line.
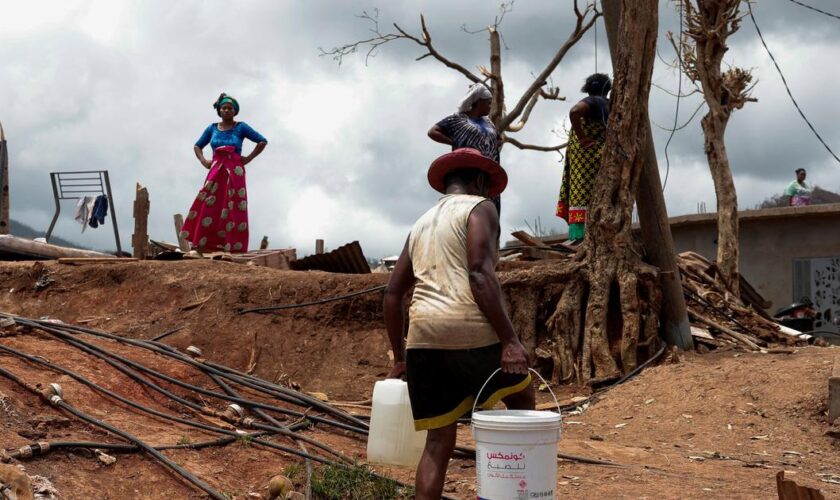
x,y
443,383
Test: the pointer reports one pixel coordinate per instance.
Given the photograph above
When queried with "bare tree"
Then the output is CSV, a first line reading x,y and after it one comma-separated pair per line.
x,y
607,300
506,122
5,227
707,24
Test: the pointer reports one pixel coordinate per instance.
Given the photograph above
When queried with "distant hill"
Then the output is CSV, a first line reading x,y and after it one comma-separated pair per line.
x,y
820,196
24,231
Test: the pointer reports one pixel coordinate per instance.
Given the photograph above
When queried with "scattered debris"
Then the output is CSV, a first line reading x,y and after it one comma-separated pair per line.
x,y
830,478
348,259
720,318
197,303
104,458
789,490
14,483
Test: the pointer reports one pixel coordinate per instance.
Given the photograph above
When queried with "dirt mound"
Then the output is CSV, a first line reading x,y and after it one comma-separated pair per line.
x,y
311,346
717,425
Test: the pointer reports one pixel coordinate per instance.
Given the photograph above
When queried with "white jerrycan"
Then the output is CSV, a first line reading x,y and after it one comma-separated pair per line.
x,y
392,439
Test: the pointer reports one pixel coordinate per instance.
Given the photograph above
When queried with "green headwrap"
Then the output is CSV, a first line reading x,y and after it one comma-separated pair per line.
x,y
224,99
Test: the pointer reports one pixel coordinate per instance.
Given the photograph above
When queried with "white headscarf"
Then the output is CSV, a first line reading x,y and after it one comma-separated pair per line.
x,y
477,92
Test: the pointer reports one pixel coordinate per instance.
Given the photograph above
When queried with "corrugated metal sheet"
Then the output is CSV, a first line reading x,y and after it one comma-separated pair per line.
x,y
348,259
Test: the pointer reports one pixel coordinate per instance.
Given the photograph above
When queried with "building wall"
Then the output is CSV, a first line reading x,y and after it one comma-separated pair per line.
x,y
768,246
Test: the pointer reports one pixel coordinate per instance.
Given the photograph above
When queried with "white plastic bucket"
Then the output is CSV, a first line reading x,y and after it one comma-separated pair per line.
x,y
516,453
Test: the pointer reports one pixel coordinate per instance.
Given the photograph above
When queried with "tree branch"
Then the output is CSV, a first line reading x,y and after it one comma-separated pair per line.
x,y
516,127
427,43
338,53
521,145
581,27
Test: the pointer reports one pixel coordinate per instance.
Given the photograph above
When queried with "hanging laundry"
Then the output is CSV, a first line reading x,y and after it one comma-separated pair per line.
x,y
100,210
84,207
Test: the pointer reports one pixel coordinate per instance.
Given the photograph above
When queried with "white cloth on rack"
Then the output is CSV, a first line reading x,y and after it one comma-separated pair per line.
x,y
84,207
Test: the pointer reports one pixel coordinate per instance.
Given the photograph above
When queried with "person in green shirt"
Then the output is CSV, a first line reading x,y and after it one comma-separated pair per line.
x,y
798,191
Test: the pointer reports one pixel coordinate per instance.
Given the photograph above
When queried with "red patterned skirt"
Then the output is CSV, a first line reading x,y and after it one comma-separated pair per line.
x,y
218,218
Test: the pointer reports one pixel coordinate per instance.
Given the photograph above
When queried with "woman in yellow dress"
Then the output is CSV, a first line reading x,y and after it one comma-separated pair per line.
x,y
583,153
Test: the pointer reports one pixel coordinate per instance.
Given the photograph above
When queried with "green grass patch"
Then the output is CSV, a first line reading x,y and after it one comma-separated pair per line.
x,y
355,483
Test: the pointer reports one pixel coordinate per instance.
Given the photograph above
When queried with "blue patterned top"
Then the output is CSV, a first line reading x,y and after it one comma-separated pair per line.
x,y
464,132
233,137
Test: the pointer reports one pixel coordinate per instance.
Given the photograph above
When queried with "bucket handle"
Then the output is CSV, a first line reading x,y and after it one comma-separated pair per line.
x,y
530,370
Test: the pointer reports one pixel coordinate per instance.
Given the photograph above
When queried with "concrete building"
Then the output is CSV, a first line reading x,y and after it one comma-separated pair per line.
x,y
787,253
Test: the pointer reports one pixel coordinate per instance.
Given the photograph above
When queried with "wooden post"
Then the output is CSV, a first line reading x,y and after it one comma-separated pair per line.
x,y
653,219
140,238
319,247
5,223
183,244
834,392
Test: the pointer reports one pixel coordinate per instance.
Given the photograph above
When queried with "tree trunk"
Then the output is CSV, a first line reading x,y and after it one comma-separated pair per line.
x,y
714,127
5,223
610,276
653,221
497,87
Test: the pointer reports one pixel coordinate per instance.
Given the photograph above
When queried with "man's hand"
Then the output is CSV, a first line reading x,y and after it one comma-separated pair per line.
x,y
398,370
514,358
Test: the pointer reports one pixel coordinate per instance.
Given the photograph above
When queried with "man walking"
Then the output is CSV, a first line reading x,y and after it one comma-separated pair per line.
x,y
459,332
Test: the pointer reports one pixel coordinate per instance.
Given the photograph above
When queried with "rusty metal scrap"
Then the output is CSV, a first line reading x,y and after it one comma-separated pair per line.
x,y
348,259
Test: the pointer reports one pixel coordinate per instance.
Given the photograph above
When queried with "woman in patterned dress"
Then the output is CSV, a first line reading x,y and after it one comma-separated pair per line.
x,y
469,127
583,153
218,218
799,192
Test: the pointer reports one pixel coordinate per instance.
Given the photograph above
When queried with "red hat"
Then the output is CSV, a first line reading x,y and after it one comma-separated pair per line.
x,y
467,158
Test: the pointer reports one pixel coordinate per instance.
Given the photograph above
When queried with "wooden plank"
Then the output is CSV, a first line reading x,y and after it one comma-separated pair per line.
x,y
94,260
740,337
701,332
540,254
140,238
834,392
276,259
527,239
24,248
183,244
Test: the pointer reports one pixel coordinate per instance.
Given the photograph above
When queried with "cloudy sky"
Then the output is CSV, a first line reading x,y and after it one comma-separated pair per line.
x,y
127,86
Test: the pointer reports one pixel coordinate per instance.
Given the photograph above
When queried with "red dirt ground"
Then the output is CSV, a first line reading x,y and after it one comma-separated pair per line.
x,y
718,425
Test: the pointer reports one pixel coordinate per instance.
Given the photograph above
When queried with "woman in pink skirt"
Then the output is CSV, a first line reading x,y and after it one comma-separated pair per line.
x,y
218,218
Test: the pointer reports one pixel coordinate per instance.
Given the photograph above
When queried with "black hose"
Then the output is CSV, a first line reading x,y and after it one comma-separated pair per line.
x,y
268,418
163,349
297,397
98,388
167,333
281,429
276,425
109,358
36,449
620,381
637,370
57,401
314,302
234,435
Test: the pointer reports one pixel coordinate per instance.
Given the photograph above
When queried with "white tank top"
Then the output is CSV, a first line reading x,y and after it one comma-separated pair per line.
x,y
444,314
